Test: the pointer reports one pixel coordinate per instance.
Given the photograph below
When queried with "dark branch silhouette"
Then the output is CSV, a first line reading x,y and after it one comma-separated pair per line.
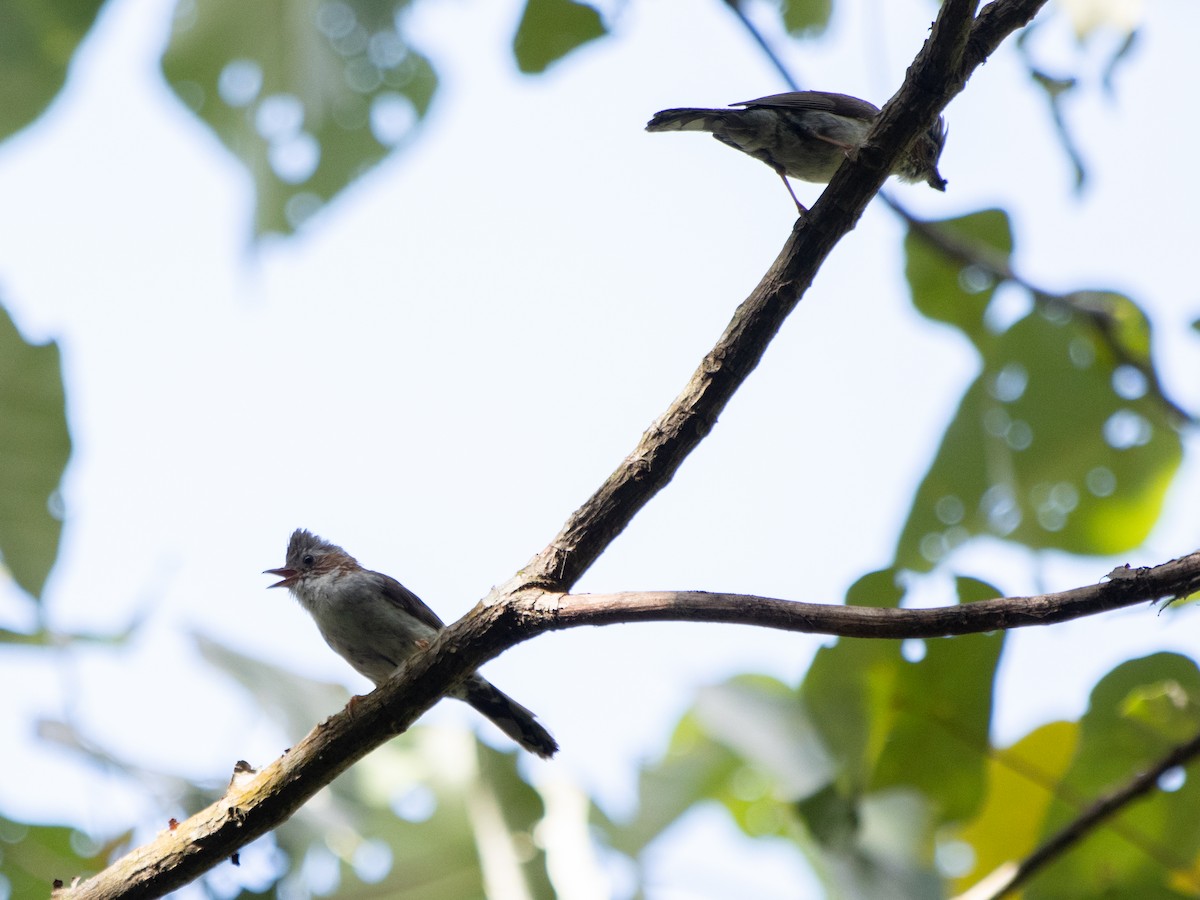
x,y
1126,587
1091,819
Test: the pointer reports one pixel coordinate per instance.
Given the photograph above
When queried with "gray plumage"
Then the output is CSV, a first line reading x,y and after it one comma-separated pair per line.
x,y
805,134
375,623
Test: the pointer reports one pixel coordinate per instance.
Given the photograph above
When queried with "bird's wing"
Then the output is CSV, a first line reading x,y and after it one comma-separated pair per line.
x,y
402,597
839,104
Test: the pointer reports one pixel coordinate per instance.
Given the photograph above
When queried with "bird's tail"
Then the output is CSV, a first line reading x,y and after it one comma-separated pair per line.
x,y
509,716
689,119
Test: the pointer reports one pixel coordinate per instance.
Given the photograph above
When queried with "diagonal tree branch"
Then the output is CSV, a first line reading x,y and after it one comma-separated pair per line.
x,y
1085,303
735,7
957,45
1012,877
258,801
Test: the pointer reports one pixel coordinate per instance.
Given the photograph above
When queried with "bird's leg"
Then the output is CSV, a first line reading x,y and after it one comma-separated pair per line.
x,y
800,207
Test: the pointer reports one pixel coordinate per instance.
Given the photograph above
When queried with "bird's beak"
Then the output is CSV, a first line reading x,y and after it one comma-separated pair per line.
x,y
936,181
289,576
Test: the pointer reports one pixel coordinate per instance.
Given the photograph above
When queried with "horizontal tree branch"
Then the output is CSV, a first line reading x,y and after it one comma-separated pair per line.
x,y
1126,587
258,801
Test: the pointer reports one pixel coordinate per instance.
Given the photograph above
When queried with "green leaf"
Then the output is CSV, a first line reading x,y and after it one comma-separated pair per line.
x,y
879,712
861,767
946,290
1021,781
1044,451
911,740
1061,442
308,94
1119,319
33,856
806,18
881,588
47,637
550,29
34,447
1136,715
940,709
38,38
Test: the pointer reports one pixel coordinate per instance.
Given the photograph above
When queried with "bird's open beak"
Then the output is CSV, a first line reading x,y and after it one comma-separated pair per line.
x,y
289,576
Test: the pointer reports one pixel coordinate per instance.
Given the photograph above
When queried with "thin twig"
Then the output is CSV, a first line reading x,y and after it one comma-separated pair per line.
x,y
735,7
1084,303
1091,818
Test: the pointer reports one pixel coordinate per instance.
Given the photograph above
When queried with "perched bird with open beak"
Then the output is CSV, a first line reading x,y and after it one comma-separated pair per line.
x,y
375,623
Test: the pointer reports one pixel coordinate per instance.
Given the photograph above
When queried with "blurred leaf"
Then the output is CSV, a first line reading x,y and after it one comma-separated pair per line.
x,y
34,447
890,855
309,94
296,703
911,739
46,637
1136,715
1060,443
947,291
428,807
166,787
806,18
41,638
412,819
695,768
860,767
33,856
943,708
550,29
847,711
879,712
38,38
1021,781
1089,16
1119,319
763,722
505,810
881,588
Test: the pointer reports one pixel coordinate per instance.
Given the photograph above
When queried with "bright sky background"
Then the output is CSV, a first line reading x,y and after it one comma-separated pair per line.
x,y
451,358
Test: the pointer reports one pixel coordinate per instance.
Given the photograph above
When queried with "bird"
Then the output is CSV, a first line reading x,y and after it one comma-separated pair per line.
x,y
806,135
375,623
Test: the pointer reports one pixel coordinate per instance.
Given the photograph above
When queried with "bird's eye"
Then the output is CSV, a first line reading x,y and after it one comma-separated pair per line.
x,y
308,559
